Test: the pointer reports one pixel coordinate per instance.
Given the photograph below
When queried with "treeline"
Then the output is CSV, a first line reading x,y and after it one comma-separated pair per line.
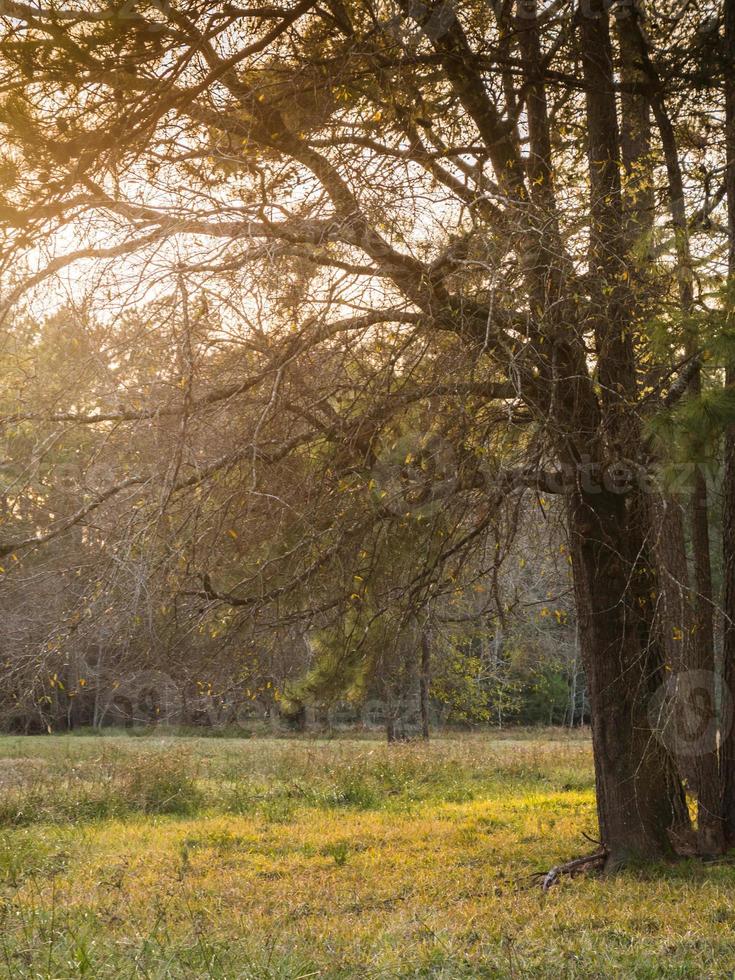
x,y
163,661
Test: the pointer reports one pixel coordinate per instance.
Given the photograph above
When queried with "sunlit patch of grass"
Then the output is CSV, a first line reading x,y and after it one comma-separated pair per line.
x,y
344,859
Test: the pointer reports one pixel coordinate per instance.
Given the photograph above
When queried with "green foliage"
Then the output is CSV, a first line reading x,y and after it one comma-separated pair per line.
x,y
339,666
543,694
689,433
462,683
525,682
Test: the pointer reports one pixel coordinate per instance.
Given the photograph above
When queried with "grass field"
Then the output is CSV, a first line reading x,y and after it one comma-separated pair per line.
x,y
285,858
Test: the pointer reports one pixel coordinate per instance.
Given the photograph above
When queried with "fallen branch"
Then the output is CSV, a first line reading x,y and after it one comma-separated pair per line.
x,y
589,862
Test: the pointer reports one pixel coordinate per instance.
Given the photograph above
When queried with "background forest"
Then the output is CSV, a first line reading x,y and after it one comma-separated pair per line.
x,y
107,624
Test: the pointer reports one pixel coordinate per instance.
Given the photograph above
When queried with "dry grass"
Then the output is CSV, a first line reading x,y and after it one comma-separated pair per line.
x,y
296,859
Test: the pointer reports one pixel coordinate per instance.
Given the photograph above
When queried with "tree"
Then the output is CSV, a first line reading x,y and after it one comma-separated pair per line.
x,y
728,533
435,209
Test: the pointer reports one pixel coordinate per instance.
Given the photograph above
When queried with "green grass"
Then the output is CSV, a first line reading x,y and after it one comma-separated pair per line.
x,y
293,858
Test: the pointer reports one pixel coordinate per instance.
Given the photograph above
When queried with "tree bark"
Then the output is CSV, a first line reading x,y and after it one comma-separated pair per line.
x,y
635,145
701,659
727,757
639,797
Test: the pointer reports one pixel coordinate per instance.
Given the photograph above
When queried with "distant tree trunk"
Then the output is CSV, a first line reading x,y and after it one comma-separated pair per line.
x,y
395,718
298,718
425,683
573,685
727,759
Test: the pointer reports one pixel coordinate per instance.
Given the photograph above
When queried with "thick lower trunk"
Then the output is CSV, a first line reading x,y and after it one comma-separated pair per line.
x,y
639,796
684,626
727,748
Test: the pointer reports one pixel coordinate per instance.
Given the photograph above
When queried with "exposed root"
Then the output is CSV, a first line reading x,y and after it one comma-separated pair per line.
x,y
590,862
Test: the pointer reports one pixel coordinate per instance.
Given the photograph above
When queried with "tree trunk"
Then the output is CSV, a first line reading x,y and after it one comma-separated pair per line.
x,y
709,818
727,732
635,145
639,797
699,669
727,758
573,685
425,683
639,794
